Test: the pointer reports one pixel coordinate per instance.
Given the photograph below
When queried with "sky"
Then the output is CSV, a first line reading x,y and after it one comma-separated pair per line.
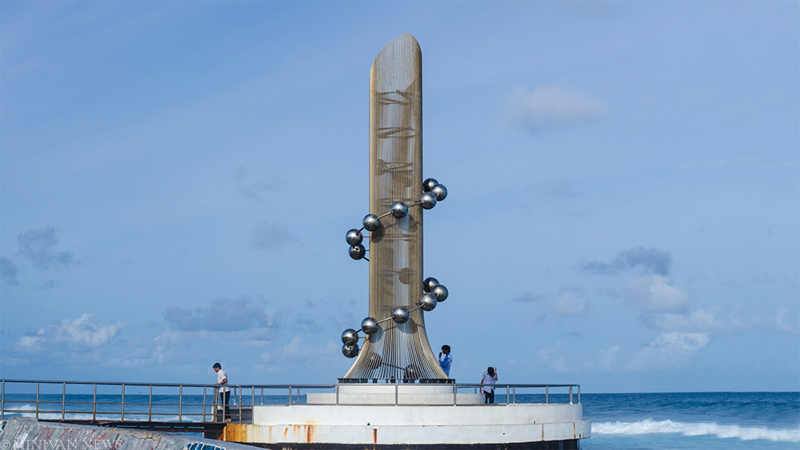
x,y
177,178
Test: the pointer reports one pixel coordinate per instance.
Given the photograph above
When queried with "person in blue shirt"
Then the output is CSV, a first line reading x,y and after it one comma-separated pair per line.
x,y
447,360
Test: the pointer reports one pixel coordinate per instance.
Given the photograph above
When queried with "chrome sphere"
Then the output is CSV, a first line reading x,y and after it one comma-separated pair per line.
x,y
427,302
411,372
440,292
428,184
399,210
429,284
374,361
440,192
349,337
400,314
357,251
369,325
351,351
371,222
354,237
427,201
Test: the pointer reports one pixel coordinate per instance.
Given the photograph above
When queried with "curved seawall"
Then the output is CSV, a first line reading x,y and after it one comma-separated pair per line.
x,y
30,434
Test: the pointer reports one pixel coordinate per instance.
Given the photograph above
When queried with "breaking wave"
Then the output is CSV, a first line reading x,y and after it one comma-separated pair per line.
x,y
696,429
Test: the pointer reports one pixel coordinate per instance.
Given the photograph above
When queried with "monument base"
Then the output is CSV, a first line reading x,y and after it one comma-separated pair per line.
x,y
433,424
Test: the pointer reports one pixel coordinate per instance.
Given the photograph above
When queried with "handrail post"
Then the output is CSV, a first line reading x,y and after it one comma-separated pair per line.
x,y
37,400
508,394
204,401
180,403
94,402
122,413
579,394
514,393
547,394
64,401
3,401
262,395
396,394
290,395
253,397
455,397
570,395
150,406
240,402
336,389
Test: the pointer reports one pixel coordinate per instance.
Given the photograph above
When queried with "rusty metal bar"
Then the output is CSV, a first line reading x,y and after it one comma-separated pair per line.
x,y
150,405
122,413
180,404
64,401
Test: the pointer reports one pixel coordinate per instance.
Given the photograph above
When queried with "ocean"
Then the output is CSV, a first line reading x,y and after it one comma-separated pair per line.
x,y
686,421
667,421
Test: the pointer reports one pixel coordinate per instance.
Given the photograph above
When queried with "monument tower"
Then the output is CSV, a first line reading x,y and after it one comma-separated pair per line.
x,y
395,343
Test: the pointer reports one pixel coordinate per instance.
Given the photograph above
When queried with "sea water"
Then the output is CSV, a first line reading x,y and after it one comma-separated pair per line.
x,y
709,421
667,421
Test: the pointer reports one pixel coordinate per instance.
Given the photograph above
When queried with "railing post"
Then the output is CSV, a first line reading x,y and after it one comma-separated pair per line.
x,y
3,401
336,389
455,397
122,413
37,400
514,394
64,401
180,403
262,395
204,401
396,394
94,402
150,405
570,395
579,394
290,395
547,394
240,402
253,396
508,394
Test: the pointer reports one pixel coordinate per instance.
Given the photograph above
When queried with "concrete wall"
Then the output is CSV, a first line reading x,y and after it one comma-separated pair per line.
x,y
416,425
29,434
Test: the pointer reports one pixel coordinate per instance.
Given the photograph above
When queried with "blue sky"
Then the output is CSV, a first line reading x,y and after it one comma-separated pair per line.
x,y
623,211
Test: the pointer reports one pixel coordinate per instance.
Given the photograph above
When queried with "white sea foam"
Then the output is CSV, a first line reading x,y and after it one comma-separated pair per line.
x,y
696,429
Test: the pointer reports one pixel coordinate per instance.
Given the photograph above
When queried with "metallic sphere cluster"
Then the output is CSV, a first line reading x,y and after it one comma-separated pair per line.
x,y
433,294
432,192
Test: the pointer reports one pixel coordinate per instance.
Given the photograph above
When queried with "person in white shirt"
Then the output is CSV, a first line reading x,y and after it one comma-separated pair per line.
x,y
224,392
489,378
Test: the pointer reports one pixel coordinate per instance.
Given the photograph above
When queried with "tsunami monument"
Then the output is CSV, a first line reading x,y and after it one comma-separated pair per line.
x,y
396,395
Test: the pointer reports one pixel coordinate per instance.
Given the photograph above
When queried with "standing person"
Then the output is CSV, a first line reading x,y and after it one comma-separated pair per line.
x,y
224,392
489,378
447,360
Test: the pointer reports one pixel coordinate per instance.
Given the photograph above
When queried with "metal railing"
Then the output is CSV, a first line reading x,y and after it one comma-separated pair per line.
x,y
82,401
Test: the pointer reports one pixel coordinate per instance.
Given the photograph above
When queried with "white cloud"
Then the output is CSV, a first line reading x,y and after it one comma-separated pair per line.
x,y
570,304
698,320
551,105
82,332
656,293
554,357
669,350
